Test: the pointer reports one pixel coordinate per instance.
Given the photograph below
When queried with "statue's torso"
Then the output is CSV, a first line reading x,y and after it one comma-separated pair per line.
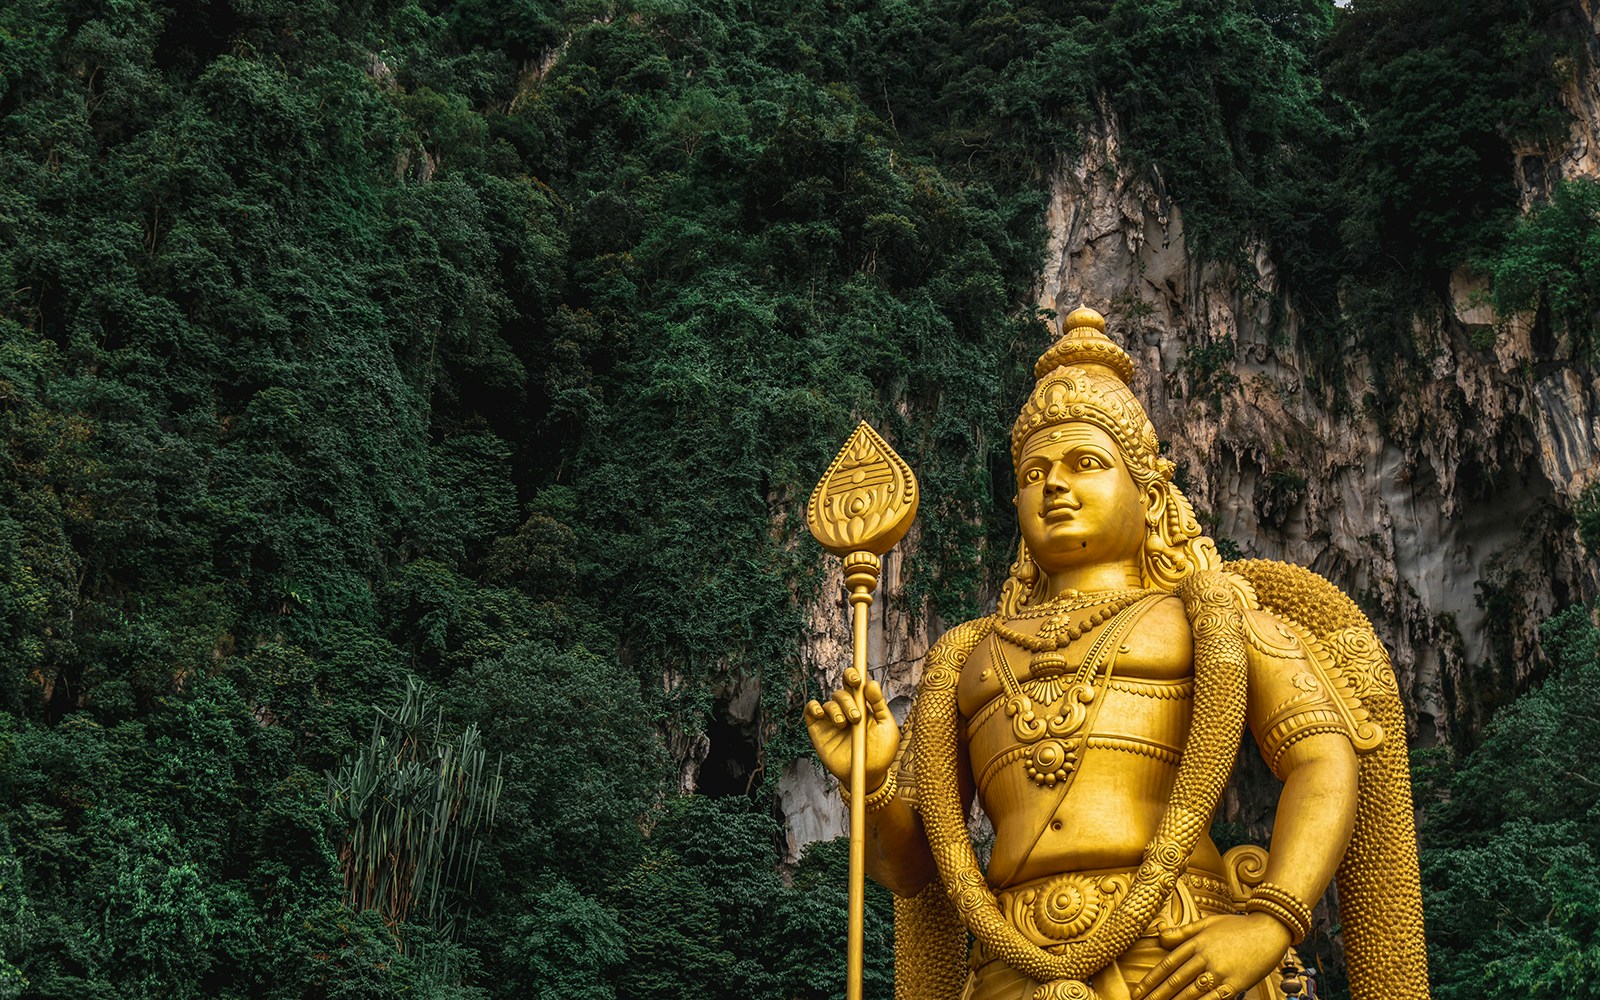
x,y
1123,755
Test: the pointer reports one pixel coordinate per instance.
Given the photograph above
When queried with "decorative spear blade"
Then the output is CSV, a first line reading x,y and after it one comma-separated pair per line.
x,y
866,500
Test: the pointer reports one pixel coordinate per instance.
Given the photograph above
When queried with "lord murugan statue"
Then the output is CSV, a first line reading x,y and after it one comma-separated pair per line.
x,y
1096,716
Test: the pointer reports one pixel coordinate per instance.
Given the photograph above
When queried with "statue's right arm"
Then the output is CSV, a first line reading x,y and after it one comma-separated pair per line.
x,y
897,852
898,855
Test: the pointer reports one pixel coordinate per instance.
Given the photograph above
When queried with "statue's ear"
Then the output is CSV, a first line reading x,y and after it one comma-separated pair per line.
x,y
1155,505
1168,558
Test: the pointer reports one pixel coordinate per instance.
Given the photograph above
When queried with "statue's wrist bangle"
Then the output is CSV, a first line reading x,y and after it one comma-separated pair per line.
x,y
1276,901
881,796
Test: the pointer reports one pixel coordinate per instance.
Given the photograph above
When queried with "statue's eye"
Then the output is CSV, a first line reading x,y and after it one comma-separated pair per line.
x,y
1033,475
1088,462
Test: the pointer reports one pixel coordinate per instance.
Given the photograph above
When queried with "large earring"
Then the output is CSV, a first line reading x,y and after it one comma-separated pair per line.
x,y
1018,590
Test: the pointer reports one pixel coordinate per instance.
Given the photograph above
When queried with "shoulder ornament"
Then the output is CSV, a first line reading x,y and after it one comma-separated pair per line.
x,y
1349,660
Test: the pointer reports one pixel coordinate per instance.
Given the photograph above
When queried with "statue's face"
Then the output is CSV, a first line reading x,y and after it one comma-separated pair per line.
x,y
1077,505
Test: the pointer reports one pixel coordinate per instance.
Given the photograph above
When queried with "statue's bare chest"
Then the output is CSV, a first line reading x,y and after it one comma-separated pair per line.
x,y
1155,645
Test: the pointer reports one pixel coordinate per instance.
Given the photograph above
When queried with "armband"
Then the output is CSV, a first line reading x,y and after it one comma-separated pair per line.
x,y
881,796
1276,901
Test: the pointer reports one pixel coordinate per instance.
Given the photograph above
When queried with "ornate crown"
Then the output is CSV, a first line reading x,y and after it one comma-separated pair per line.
x,y
1084,376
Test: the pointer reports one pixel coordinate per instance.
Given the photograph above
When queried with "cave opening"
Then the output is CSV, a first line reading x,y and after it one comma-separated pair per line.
x,y
733,759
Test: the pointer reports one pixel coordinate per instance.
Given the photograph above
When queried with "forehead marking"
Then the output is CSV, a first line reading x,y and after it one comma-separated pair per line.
x,y
1077,432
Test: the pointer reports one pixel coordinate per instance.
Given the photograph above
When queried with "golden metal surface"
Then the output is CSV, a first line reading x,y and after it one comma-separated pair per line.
x,y
863,505
1096,716
866,500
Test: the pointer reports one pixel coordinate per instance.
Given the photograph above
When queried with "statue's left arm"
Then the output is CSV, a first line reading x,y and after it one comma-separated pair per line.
x,y
1304,738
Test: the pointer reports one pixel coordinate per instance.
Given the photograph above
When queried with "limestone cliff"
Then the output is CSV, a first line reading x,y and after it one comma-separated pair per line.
x,y
1449,520
1445,511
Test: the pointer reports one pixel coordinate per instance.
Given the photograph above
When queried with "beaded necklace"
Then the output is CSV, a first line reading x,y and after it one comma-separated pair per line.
x,y
1059,630
1074,600
1047,704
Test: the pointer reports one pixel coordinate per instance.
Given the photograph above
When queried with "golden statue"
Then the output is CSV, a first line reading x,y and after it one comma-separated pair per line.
x,y
1096,716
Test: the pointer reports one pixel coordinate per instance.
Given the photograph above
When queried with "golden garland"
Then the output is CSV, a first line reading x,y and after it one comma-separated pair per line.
x,y
1380,892
1207,761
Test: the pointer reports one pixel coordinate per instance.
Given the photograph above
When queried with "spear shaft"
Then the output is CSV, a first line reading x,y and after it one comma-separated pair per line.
x,y
862,581
863,505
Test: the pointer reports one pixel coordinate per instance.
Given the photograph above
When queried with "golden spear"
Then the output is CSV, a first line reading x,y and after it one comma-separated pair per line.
x,y
862,506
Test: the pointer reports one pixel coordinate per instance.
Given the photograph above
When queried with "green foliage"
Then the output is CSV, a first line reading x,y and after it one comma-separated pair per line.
x,y
158,915
1278,495
498,344
1551,261
1511,866
569,944
1208,368
706,915
1222,99
339,344
184,853
1587,511
416,806
1440,91
17,918
811,922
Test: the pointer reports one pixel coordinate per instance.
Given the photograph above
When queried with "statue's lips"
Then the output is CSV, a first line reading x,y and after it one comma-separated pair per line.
x,y
1059,513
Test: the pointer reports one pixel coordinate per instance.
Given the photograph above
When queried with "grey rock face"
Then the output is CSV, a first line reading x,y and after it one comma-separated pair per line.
x,y
1448,518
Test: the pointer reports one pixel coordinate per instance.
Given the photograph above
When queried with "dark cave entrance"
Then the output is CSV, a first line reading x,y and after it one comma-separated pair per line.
x,y
733,759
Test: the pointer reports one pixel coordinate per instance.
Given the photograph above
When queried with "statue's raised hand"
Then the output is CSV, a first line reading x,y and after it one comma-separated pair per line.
x,y
829,724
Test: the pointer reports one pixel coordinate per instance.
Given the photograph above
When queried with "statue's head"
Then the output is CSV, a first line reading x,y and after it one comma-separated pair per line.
x,y
1112,495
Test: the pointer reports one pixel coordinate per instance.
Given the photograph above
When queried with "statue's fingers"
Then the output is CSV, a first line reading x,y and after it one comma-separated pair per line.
x,y
1173,973
1180,984
1166,967
818,719
1200,988
835,713
1174,936
847,702
876,702
852,677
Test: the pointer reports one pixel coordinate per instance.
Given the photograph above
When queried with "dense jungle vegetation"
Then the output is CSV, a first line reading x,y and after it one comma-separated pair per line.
x,y
381,378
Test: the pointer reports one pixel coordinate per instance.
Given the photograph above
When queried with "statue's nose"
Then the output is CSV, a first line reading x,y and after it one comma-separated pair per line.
x,y
1057,481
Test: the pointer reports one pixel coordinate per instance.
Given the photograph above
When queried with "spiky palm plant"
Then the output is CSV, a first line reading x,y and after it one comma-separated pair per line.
x,y
416,807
